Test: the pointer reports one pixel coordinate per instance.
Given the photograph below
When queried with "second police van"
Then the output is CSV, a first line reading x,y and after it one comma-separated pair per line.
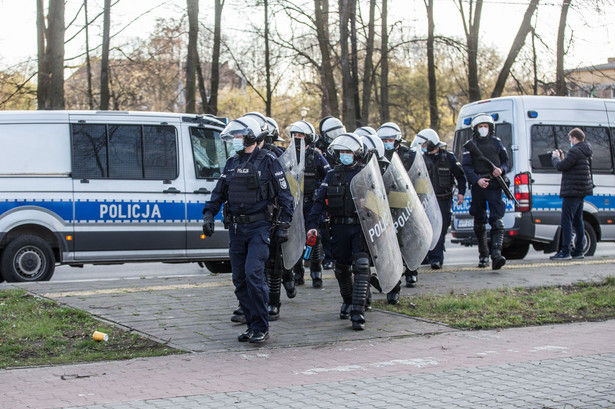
x,y
105,187
530,128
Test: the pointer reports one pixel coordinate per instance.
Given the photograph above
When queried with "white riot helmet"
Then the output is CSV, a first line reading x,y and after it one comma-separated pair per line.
x,y
246,127
482,119
330,128
389,130
274,130
259,118
347,142
373,143
304,128
365,131
428,136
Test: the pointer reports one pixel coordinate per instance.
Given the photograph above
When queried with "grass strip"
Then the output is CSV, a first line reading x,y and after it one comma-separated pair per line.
x,y
514,307
35,331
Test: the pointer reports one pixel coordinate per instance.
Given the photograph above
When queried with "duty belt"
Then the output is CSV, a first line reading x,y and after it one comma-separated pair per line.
x,y
345,220
247,218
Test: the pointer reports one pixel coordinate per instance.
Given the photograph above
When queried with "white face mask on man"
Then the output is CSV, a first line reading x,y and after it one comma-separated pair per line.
x,y
483,132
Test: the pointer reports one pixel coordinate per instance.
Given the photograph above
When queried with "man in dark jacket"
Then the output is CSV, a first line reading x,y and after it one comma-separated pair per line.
x,y
576,184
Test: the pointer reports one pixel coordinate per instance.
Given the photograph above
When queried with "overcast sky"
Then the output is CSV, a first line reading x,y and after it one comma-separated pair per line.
x,y
594,38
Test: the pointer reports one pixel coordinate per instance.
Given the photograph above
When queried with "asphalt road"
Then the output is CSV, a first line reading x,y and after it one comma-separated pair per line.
x,y
455,255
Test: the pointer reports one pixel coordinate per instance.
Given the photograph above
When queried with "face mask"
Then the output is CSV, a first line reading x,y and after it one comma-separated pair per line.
x,y
298,143
346,158
483,132
424,150
389,146
238,144
571,144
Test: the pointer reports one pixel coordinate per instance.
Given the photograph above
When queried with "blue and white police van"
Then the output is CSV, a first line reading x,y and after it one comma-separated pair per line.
x,y
531,127
107,187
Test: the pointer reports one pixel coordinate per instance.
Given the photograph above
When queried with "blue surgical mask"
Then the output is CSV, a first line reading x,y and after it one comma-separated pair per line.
x,y
238,144
346,158
571,144
424,150
389,146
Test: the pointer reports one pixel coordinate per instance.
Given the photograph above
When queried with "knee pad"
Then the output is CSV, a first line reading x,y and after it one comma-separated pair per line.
x,y
360,262
480,228
497,225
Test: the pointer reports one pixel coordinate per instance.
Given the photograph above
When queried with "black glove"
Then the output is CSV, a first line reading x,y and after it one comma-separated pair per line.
x,y
208,224
282,232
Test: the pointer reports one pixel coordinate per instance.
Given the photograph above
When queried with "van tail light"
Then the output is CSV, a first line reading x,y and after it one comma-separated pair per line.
x,y
523,192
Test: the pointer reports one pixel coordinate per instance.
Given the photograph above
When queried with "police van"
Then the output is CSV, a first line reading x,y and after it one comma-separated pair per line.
x,y
107,187
530,128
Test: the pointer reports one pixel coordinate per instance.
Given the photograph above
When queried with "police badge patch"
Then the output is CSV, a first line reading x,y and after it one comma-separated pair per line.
x,y
283,184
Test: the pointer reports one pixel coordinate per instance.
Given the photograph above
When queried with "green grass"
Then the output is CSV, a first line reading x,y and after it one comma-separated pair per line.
x,y
34,331
515,307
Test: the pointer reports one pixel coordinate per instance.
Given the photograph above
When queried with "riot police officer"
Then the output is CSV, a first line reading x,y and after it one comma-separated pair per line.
x,y
391,136
251,179
444,170
485,190
315,170
351,257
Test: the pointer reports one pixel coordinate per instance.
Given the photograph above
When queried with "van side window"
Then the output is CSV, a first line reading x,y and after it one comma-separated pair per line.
x,y
210,152
546,138
124,151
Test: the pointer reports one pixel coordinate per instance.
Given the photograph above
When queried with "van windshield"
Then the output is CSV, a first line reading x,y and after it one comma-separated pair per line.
x,y
502,131
209,151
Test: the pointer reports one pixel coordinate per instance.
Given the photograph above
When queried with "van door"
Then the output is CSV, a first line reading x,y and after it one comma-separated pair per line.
x,y
205,155
129,191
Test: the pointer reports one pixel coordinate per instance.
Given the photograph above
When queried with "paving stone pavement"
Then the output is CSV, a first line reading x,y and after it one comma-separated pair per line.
x,y
315,360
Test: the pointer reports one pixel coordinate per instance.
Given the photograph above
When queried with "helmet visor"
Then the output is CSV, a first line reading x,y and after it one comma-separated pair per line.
x,y
234,129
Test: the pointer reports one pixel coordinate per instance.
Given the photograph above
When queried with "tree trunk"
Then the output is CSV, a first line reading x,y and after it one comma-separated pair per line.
x,y
368,70
560,81
354,67
104,61
51,49
87,56
193,33
268,90
347,94
384,67
472,42
329,105
201,84
434,116
524,29
42,91
212,103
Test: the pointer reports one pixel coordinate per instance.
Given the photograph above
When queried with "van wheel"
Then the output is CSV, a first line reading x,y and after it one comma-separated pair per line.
x,y
517,250
589,245
219,267
27,258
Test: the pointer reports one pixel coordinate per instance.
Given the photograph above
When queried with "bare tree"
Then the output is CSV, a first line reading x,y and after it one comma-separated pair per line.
x,y
368,64
87,56
268,88
384,66
104,61
524,29
329,99
471,29
212,103
560,80
191,58
50,92
434,116
348,90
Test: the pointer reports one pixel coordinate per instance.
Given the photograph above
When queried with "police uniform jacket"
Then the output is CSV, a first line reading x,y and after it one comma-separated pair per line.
x,y
444,171
315,171
270,183
493,149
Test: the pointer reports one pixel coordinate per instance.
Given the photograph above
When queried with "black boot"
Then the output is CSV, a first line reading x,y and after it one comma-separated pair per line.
x,y
480,230
412,277
316,264
299,272
343,274
238,316
359,290
274,281
393,295
274,311
497,239
288,281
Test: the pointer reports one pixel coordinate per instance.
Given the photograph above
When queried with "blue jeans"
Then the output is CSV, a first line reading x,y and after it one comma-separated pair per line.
x,y
572,217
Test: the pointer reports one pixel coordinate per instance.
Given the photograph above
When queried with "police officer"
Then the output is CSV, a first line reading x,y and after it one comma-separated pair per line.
x,y
444,170
391,136
351,257
485,190
315,170
250,181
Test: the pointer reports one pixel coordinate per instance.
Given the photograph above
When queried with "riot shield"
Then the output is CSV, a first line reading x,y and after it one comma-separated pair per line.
x,y
293,248
422,184
370,199
411,223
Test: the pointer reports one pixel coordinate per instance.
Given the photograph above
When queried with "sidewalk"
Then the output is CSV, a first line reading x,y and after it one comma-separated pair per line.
x,y
315,360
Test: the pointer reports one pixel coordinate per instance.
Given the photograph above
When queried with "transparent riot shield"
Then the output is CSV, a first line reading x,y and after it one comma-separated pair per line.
x,y
411,223
293,248
370,199
422,184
